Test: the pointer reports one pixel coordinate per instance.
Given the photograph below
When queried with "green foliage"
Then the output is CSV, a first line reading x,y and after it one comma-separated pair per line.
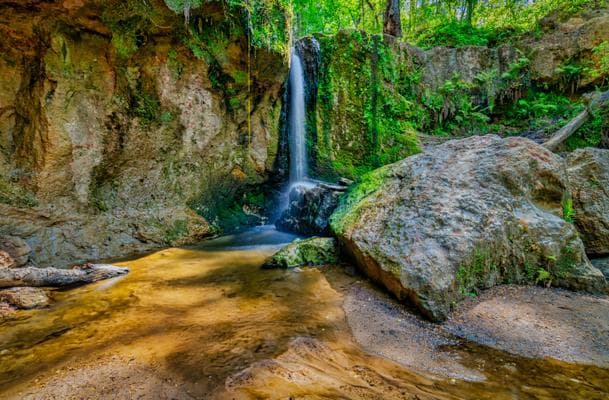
x,y
455,34
451,108
539,110
592,132
540,105
568,213
130,21
570,76
176,67
601,70
183,6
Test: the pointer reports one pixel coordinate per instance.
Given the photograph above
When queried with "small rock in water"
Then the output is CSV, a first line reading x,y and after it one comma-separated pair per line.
x,y
25,298
315,251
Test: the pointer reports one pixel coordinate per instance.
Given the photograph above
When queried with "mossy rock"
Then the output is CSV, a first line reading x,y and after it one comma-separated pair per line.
x,y
315,251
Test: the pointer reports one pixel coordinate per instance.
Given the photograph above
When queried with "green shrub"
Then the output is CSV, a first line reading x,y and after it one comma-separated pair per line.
x,y
568,213
455,34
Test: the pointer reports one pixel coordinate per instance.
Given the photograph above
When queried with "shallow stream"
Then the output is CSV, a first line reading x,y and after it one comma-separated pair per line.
x,y
206,321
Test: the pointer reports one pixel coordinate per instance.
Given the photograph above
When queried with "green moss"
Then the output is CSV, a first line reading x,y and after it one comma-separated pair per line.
x,y
167,117
474,276
367,114
146,106
309,252
176,231
176,67
565,264
14,195
351,202
129,22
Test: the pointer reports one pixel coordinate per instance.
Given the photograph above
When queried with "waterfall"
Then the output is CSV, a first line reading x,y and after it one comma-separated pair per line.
x,y
296,122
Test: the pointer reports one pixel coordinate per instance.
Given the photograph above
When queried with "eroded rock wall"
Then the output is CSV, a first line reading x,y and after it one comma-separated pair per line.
x,y
119,129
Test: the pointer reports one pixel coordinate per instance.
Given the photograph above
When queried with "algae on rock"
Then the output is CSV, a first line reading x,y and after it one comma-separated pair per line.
x,y
317,251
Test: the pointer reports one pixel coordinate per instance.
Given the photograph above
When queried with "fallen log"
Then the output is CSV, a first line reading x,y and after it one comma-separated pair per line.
x,y
55,277
596,101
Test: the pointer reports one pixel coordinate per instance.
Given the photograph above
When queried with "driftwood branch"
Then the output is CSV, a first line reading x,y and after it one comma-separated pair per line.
x,y
596,101
54,277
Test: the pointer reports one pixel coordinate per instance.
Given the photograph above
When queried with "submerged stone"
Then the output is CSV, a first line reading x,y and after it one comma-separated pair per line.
x,y
462,217
315,251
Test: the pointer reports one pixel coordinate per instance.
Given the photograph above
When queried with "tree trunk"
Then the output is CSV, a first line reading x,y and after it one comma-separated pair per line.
x,y
561,135
54,277
597,101
392,24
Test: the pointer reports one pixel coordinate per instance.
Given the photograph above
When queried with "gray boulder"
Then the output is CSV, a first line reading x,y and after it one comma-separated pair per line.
x,y
309,209
602,264
588,171
462,217
16,248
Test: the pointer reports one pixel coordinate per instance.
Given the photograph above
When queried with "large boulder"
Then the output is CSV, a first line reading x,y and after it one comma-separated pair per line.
x,y
309,208
588,171
315,251
462,217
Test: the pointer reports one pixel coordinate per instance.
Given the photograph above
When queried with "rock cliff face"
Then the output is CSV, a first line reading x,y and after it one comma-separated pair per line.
x,y
119,129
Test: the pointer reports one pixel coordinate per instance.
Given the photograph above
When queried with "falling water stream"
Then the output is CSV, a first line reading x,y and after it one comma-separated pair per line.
x,y
297,121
